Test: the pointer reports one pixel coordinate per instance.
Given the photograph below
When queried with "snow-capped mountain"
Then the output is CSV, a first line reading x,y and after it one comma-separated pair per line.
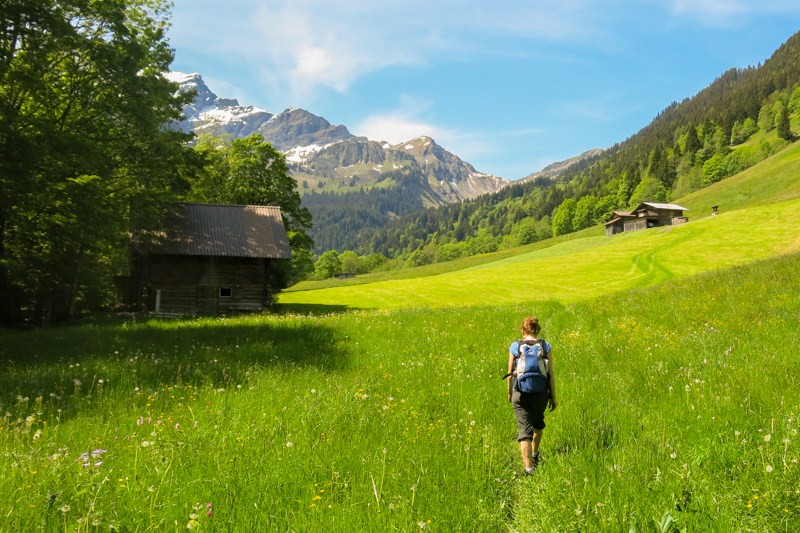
x,y
323,156
211,114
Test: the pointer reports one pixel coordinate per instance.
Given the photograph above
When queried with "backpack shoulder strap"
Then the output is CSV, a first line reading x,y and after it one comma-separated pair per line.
x,y
519,342
545,348
543,351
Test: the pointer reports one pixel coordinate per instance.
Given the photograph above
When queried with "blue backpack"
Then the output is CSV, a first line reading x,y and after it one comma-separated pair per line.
x,y
531,368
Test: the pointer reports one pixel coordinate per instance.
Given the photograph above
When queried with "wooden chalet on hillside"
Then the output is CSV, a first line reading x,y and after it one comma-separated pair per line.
x,y
207,260
646,215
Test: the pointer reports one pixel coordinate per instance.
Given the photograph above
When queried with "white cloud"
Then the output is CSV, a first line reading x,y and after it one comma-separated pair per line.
x,y
394,128
712,12
401,124
406,123
304,46
301,46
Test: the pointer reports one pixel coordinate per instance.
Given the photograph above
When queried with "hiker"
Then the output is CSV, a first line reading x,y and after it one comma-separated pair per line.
x,y
531,388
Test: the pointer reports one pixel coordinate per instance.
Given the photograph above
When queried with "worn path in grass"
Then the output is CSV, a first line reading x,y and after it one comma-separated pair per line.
x,y
586,268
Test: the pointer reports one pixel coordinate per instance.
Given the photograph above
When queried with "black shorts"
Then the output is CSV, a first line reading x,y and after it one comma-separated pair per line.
x,y
529,412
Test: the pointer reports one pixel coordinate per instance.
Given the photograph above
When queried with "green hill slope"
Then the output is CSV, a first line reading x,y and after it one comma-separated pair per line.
x,y
773,180
757,220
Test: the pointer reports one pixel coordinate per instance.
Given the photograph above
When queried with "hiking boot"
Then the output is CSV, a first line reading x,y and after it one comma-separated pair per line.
x,y
535,460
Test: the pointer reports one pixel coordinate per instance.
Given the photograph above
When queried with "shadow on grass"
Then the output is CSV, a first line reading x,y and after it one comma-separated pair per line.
x,y
72,367
312,309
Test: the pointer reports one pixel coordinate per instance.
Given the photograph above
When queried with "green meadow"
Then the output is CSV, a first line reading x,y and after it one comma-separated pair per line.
x,y
378,405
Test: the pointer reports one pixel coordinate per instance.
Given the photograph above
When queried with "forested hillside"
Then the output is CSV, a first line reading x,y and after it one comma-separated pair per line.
x,y
340,218
744,116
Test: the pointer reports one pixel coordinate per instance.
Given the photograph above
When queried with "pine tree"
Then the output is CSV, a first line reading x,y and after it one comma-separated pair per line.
x,y
784,125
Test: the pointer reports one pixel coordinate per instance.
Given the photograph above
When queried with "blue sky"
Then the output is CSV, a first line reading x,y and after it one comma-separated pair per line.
x,y
508,85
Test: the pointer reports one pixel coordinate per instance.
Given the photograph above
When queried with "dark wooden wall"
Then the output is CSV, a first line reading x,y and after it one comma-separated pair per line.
x,y
191,284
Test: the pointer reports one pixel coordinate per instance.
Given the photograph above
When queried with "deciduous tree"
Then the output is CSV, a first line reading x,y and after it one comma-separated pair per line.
x,y
648,190
328,265
584,212
83,109
564,217
251,171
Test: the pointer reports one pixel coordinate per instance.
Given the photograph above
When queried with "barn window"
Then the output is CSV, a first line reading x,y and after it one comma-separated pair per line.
x,y
225,292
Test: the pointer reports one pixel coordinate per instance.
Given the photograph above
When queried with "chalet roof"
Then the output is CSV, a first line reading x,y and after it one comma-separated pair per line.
x,y
672,207
616,216
253,231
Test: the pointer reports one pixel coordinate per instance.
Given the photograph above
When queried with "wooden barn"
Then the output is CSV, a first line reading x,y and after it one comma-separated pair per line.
x,y
207,260
616,222
646,215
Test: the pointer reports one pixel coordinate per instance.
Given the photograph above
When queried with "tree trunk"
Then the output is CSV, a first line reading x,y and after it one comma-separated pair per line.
x,y
73,293
9,301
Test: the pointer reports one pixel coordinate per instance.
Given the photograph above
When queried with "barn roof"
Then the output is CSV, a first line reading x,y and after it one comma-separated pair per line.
x,y
253,231
617,216
673,207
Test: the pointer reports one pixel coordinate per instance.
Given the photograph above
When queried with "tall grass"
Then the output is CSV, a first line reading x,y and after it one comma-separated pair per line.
x,y
678,409
280,423
681,408
675,352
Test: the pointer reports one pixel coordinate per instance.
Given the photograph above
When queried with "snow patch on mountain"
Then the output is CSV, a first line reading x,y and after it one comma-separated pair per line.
x,y
302,154
231,114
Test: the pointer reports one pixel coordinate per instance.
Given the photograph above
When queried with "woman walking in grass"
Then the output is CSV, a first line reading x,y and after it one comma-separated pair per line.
x,y
531,389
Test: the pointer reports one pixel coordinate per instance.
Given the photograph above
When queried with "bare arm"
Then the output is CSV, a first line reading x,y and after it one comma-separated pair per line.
x,y
552,401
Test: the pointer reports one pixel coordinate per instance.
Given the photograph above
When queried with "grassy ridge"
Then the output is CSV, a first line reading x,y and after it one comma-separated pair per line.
x,y
439,268
588,267
773,180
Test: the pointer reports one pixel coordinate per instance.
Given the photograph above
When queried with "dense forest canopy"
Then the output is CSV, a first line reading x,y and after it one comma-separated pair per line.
x,y
83,105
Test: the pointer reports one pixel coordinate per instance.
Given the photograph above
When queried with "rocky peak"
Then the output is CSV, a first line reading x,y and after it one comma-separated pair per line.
x,y
295,128
203,99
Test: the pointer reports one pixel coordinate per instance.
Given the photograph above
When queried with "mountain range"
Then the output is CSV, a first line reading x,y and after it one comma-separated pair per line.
x,y
328,158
